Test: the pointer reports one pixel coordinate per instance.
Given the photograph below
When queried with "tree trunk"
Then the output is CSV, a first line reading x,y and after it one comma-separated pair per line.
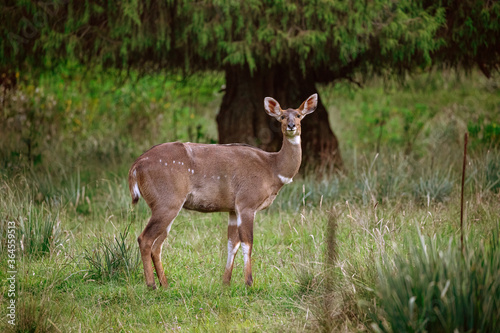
x,y
242,118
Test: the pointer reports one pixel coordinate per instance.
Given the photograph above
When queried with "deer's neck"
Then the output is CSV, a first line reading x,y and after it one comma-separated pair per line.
x,y
289,158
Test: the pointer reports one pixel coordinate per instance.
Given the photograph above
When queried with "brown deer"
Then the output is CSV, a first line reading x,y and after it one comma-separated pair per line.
x,y
234,178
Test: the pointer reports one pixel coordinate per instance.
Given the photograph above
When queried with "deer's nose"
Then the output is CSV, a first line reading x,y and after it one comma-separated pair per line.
x,y
291,126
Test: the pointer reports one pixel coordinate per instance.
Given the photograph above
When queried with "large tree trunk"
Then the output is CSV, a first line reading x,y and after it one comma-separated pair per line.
x,y
242,117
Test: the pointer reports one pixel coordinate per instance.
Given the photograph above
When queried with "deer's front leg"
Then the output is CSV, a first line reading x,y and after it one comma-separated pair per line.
x,y
233,244
245,230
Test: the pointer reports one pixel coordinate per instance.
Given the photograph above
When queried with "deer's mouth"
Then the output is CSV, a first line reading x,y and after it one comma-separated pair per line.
x,y
291,132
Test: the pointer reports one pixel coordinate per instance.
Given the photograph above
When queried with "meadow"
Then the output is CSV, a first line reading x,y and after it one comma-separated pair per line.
x,y
373,248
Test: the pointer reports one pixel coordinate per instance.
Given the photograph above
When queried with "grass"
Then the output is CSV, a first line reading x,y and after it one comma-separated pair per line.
x,y
111,258
441,290
327,253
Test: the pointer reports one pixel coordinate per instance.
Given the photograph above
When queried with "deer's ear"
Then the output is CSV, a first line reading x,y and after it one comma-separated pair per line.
x,y
309,105
272,107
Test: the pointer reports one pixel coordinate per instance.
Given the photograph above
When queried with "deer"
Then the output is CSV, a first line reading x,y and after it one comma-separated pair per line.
x,y
236,178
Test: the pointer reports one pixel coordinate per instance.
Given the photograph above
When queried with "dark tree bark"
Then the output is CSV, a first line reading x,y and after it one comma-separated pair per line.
x,y
242,118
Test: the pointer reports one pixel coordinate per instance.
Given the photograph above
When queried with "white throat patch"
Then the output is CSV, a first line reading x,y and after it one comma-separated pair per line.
x,y
285,180
294,140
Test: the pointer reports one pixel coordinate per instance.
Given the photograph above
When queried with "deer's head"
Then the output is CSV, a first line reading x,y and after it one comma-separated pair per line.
x,y
290,118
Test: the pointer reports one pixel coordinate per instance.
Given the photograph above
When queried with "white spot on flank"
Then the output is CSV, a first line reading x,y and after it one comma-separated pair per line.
x,y
218,177
189,170
192,171
285,180
137,193
160,160
182,163
294,140
165,163
174,162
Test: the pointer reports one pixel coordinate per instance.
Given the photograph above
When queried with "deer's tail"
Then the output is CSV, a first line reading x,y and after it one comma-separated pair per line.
x,y
133,186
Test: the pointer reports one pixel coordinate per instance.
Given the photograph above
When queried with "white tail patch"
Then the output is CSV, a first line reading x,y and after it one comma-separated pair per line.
x,y
137,193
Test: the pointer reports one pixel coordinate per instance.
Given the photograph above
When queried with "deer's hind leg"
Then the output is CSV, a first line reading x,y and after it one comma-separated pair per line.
x,y
151,241
156,255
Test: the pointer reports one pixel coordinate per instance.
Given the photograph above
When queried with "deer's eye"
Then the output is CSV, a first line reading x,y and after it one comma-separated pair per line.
x,y
282,117
298,116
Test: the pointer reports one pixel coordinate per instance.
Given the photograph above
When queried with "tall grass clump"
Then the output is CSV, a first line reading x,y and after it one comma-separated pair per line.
x,y
436,290
493,171
40,231
381,178
436,187
112,258
485,175
35,314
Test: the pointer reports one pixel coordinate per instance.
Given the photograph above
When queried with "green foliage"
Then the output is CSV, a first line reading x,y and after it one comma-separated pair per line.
x,y
434,289
485,131
429,112
334,39
469,34
30,119
69,117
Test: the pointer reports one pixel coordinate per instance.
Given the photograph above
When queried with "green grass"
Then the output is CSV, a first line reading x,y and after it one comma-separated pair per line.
x,y
326,253
436,287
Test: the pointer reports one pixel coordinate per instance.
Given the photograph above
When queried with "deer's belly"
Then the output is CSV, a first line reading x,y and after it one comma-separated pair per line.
x,y
209,200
